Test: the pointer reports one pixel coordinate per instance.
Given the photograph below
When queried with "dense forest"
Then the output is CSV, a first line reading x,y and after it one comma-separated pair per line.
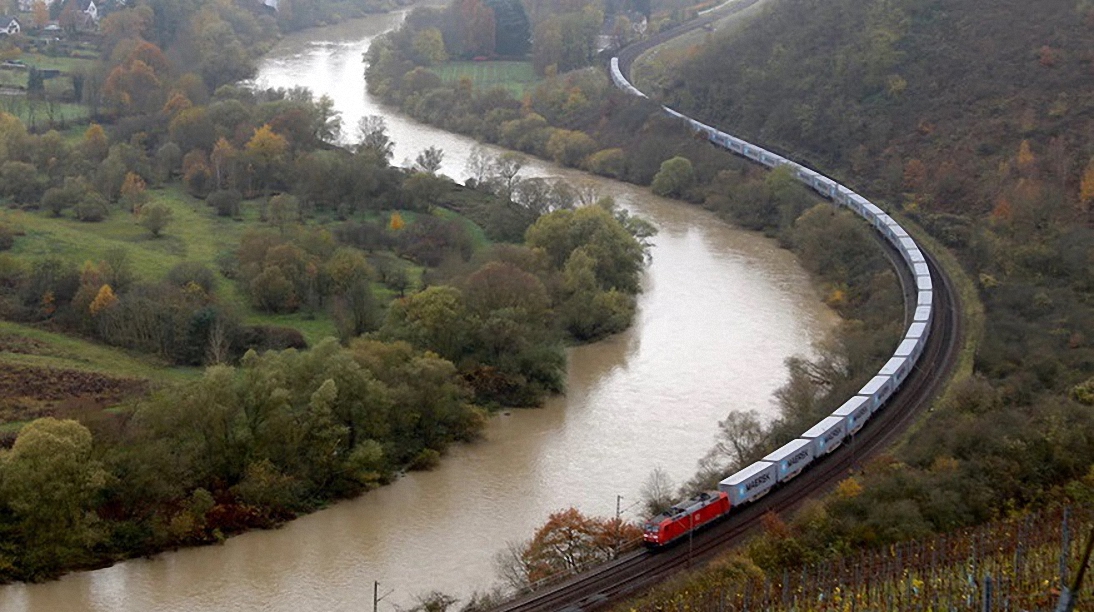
x,y
198,223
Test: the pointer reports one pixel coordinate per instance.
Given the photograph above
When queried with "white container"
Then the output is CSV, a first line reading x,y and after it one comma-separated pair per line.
x,y
791,458
827,435
750,484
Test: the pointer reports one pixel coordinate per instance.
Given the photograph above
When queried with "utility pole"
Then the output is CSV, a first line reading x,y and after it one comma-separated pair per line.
x,y
377,597
1069,597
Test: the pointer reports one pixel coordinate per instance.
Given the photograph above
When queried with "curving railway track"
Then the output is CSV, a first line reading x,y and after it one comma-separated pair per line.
x,y
631,573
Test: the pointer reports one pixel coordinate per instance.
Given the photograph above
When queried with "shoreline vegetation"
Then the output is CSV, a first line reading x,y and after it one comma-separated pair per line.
x,y
214,230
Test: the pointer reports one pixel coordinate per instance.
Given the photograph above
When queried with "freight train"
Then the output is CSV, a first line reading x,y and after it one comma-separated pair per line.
x,y
758,479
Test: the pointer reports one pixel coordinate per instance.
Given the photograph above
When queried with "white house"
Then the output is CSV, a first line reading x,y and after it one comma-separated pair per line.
x,y
9,25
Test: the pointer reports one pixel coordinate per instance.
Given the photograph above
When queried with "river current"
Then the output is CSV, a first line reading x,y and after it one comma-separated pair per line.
x,y
721,311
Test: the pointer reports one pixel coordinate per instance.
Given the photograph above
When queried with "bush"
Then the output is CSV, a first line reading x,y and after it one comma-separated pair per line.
x,y
7,238
187,272
92,208
263,338
226,202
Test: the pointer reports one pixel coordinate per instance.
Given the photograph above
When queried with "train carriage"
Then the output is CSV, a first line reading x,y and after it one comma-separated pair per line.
x,y
827,435
751,483
877,391
855,411
791,458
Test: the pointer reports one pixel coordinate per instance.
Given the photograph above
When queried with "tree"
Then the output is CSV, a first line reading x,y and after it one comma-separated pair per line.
x,y
104,299
266,150
616,257
223,160
570,147
674,178
373,139
740,436
1086,188
513,32
570,541
41,14
283,211
155,218
49,479
657,492
430,159
429,45
134,192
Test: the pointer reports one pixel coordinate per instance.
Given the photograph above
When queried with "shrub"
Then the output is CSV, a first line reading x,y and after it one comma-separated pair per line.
x,y
187,272
7,238
226,202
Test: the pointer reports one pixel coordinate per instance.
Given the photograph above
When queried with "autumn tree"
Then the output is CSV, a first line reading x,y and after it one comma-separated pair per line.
x,y
266,151
134,192
570,541
40,12
95,145
1086,189
104,299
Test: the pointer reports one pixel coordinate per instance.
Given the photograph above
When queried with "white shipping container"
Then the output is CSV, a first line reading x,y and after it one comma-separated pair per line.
x,y
855,410
877,391
827,435
922,314
791,458
749,484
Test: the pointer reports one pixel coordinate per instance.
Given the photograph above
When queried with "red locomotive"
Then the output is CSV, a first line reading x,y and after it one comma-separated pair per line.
x,y
686,516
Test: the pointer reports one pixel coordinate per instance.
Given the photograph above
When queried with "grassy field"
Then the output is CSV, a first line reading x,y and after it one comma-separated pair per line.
x,y
517,77
195,233
53,350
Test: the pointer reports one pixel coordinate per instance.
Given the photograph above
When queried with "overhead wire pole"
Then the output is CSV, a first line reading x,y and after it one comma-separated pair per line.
x,y
1070,595
376,597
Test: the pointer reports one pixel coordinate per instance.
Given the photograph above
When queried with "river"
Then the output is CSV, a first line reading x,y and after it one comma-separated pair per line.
x,y
721,311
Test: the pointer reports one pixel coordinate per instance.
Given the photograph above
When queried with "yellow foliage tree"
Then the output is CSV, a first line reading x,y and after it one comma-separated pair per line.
x,y
41,14
1086,187
177,103
1025,157
95,144
396,222
133,192
105,299
267,145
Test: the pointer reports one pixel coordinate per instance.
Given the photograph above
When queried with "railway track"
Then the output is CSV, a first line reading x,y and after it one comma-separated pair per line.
x,y
633,572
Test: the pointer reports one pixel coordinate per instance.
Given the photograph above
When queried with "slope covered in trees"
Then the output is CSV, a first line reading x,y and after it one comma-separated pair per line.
x,y
973,119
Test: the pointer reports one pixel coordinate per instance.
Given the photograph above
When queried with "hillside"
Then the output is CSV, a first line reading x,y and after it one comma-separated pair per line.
x,y
973,120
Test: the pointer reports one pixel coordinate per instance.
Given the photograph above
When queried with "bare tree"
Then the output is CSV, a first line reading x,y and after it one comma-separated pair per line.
x,y
511,566
657,492
429,160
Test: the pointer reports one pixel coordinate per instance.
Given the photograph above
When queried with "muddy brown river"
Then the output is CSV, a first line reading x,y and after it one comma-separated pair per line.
x,y
722,309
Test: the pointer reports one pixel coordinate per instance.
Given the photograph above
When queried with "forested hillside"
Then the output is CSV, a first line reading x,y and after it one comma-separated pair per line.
x,y
972,119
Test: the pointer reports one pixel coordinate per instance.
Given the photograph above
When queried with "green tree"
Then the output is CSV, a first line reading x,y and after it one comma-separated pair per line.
x,y
617,258
155,218
674,178
429,45
49,479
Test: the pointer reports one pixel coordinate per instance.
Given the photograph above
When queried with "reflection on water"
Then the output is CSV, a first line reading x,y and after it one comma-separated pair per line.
x,y
721,311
